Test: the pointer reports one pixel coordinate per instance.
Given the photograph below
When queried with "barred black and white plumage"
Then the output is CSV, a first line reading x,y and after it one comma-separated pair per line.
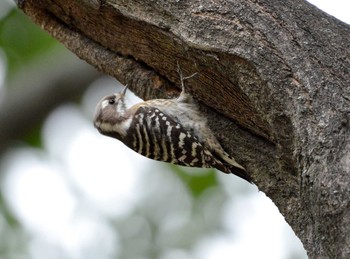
x,y
168,130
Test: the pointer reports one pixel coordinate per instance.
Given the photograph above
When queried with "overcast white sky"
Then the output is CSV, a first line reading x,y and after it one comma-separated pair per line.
x,y
337,8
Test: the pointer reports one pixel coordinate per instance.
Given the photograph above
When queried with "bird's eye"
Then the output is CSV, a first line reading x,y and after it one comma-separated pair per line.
x,y
111,101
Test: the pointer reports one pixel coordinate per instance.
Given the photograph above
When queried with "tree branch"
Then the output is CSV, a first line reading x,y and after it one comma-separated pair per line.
x,y
273,80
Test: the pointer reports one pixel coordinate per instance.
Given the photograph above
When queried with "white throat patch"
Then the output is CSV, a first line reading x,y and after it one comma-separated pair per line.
x,y
120,128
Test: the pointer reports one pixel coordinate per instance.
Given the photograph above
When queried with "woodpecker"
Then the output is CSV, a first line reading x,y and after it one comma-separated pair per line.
x,y
168,130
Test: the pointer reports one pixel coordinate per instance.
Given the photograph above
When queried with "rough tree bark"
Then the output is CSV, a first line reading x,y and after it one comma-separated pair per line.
x,y
273,79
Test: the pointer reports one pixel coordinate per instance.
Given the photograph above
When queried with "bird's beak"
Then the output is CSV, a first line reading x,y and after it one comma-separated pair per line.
x,y
124,90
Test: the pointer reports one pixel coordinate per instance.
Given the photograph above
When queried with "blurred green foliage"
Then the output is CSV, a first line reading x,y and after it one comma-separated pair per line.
x,y
196,183
21,40
33,137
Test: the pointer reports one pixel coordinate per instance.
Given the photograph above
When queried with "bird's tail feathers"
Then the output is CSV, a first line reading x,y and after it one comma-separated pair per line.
x,y
240,172
234,168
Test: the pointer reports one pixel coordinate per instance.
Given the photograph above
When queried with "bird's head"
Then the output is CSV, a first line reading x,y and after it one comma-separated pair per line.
x,y
110,111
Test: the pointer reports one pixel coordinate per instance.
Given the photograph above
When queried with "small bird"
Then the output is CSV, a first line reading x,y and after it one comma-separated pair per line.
x,y
168,130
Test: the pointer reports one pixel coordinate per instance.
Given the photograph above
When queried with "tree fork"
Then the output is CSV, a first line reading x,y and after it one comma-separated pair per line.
x,y
273,79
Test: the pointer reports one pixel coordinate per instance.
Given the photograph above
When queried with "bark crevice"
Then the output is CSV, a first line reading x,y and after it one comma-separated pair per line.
x,y
276,74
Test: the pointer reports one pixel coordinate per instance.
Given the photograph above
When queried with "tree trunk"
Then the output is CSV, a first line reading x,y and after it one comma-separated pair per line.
x,y
273,79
